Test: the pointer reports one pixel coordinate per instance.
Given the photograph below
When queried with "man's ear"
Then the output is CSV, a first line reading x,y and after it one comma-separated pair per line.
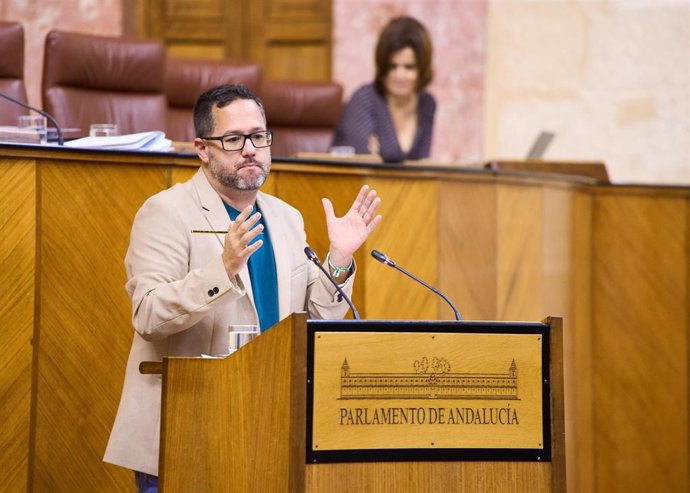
x,y
201,149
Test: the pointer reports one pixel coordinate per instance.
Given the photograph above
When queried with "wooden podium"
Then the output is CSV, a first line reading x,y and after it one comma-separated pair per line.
x,y
339,406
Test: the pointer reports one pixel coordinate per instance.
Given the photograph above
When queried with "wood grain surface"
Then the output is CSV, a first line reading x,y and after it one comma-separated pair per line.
x,y
17,303
640,342
612,260
240,433
238,425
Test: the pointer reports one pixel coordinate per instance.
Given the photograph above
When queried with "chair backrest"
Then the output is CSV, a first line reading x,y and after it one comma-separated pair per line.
x,y
11,71
302,114
186,79
96,79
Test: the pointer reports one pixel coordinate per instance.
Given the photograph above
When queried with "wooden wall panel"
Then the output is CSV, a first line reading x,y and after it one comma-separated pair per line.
x,y
557,242
290,39
293,38
179,175
408,234
459,477
17,271
640,342
566,255
85,319
192,28
622,278
467,247
292,61
519,252
200,50
577,351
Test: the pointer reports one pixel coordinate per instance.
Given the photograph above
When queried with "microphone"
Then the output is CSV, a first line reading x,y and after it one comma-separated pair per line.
x,y
381,257
311,255
41,112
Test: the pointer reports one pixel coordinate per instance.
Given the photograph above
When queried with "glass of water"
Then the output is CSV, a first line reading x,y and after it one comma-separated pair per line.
x,y
226,341
37,123
102,130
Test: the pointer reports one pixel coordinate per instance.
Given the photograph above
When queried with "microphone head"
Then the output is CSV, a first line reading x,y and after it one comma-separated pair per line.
x,y
311,255
381,257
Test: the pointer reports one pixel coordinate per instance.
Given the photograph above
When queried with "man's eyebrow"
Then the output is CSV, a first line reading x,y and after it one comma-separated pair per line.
x,y
237,132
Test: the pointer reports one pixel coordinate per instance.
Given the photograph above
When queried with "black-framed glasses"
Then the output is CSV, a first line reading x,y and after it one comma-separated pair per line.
x,y
235,142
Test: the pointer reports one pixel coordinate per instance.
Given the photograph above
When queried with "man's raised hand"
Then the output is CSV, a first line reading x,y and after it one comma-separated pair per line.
x,y
349,232
237,242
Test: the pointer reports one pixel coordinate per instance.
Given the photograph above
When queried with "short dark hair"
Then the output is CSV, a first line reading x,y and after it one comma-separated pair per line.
x,y
400,33
219,96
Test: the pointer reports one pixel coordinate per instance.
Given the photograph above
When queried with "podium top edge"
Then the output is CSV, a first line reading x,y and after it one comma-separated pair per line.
x,y
419,324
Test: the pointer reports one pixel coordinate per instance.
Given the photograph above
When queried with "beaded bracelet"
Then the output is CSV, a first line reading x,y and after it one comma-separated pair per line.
x,y
336,269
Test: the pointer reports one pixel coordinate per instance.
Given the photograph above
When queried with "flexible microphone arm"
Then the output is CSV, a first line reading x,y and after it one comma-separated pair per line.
x,y
41,112
311,255
381,257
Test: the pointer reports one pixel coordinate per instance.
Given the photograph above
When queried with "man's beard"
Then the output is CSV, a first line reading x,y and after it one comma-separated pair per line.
x,y
231,178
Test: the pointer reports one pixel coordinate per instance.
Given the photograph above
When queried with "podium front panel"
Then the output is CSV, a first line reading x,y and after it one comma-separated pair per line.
x,y
420,391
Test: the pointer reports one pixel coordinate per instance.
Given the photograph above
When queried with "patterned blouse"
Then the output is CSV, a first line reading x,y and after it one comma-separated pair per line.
x,y
367,114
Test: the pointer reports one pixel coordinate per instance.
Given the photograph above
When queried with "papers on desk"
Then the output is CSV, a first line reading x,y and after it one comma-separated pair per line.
x,y
143,141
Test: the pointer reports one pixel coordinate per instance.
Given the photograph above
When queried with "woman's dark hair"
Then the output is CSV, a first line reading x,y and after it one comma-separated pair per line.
x,y
219,96
403,32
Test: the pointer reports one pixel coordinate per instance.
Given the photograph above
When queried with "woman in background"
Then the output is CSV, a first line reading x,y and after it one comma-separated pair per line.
x,y
394,116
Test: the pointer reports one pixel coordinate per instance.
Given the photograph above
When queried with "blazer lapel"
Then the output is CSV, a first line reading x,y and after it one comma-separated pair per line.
x,y
281,251
212,207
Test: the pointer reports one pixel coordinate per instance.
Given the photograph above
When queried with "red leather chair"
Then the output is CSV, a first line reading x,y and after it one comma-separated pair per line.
x,y
303,115
186,79
12,71
95,79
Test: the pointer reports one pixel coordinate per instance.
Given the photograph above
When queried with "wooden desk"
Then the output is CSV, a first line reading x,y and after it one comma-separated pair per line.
x,y
611,260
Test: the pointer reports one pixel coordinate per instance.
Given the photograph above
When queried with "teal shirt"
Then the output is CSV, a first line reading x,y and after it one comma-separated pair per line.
x,y
262,273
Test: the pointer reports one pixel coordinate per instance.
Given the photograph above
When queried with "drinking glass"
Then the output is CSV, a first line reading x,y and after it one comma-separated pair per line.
x,y
102,130
226,341
342,151
37,123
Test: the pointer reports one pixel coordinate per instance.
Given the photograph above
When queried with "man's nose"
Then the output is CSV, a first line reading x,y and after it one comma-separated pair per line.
x,y
249,149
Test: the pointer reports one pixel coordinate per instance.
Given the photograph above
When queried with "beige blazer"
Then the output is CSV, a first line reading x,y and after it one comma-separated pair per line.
x,y
181,293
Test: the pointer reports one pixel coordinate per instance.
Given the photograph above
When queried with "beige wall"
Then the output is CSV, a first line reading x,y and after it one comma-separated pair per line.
x,y
610,78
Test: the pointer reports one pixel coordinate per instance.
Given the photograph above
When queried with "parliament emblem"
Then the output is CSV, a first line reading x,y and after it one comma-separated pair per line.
x,y
384,395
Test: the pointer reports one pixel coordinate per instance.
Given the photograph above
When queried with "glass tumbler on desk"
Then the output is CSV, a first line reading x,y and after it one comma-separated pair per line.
x,y
103,130
342,151
226,341
37,123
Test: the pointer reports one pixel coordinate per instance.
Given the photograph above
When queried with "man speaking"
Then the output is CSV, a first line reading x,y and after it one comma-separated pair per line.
x,y
184,286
